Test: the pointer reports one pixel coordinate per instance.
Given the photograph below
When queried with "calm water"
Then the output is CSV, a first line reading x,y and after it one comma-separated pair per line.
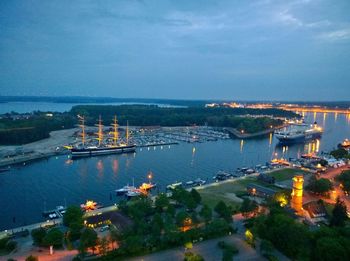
x,y
26,191
23,107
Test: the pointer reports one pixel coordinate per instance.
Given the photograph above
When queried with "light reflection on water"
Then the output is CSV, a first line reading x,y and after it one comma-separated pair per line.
x,y
24,190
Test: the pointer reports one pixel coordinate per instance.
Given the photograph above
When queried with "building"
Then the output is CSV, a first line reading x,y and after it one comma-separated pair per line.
x,y
112,217
260,191
297,194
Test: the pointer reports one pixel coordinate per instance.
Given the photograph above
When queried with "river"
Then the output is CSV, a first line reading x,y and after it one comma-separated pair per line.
x,y
26,191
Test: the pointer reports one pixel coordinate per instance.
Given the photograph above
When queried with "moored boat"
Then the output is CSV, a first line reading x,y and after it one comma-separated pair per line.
x,y
300,132
102,148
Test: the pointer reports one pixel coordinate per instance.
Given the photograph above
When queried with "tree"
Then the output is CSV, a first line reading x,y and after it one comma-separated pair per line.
x,y
38,236
162,201
181,217
103,246
339,153
115,234
189,256
344,178
196,196
73,215
206,213
88,239
248,207
339,214
319,186
74,232
32,258
223,211
53,238
329,249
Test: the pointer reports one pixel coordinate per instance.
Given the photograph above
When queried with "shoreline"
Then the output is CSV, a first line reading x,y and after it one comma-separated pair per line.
x,y
45,148
239,135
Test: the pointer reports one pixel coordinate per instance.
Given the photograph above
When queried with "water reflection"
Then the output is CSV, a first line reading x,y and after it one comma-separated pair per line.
x,y
115,166
241,146
100,167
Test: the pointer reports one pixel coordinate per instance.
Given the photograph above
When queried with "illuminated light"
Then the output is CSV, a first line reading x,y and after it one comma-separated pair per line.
x,y
297,193
249,236
317,145
281,199
270,139
242,131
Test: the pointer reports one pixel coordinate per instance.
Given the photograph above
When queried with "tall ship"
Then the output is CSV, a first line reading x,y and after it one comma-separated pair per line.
x,y
102,148
299,132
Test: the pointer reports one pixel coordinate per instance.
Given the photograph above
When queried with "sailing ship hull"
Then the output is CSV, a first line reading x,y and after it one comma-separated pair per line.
x,y
88,152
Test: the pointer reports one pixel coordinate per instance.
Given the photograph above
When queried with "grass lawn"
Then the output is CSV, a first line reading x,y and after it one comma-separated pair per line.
x,y
286,174
225,191
329,208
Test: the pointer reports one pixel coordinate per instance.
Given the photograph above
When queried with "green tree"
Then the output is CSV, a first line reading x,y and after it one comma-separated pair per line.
x,y
88,238
329,249
74,231
224,211
54,237
339,153
248,207
181,217
339,214
206,213
103,246
196,196
344,178
32,258
115,234
73,215
161,202
189,256
38,236
319,186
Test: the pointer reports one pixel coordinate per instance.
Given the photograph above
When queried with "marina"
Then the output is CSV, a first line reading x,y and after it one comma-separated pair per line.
x,y
60,177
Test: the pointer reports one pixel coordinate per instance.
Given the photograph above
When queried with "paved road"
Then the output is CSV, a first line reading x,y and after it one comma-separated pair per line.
x,y
208,249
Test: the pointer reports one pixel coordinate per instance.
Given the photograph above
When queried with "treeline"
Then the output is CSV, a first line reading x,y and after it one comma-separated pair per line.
x,y
21,131
297,241
38,126
142,115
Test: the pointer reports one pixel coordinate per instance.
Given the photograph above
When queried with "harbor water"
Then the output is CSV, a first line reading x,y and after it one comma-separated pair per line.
x,y
26,191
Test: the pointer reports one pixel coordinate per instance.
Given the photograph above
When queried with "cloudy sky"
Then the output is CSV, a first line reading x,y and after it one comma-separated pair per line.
x,y
265,49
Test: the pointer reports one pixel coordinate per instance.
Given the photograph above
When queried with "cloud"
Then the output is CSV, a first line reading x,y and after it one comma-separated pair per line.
x,y
289,19
337,35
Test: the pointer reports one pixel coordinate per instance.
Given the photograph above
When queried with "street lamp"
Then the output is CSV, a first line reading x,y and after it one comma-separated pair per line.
x,y
149,177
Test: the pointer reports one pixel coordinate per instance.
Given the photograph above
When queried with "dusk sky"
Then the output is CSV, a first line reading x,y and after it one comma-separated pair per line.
x,y
180,49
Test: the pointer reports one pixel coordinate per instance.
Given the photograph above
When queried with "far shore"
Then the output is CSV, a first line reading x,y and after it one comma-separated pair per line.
x,y
38,150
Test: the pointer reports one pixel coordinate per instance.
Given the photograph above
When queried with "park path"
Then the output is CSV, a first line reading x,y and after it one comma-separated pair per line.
x,y
207,249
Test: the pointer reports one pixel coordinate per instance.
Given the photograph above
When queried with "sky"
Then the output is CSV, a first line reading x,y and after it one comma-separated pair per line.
x,y
176,49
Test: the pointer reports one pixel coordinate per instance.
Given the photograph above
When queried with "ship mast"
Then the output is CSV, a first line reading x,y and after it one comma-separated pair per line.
x,y
100,131
82,126
115,131
127,132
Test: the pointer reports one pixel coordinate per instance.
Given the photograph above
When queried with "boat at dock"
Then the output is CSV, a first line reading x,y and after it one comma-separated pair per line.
x,y
54,213
133,193
345,144
102,148
174,185
124,190
298,132
147,186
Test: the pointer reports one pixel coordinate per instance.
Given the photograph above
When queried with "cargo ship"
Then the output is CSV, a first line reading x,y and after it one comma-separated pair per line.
x,y
299,132
102,148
